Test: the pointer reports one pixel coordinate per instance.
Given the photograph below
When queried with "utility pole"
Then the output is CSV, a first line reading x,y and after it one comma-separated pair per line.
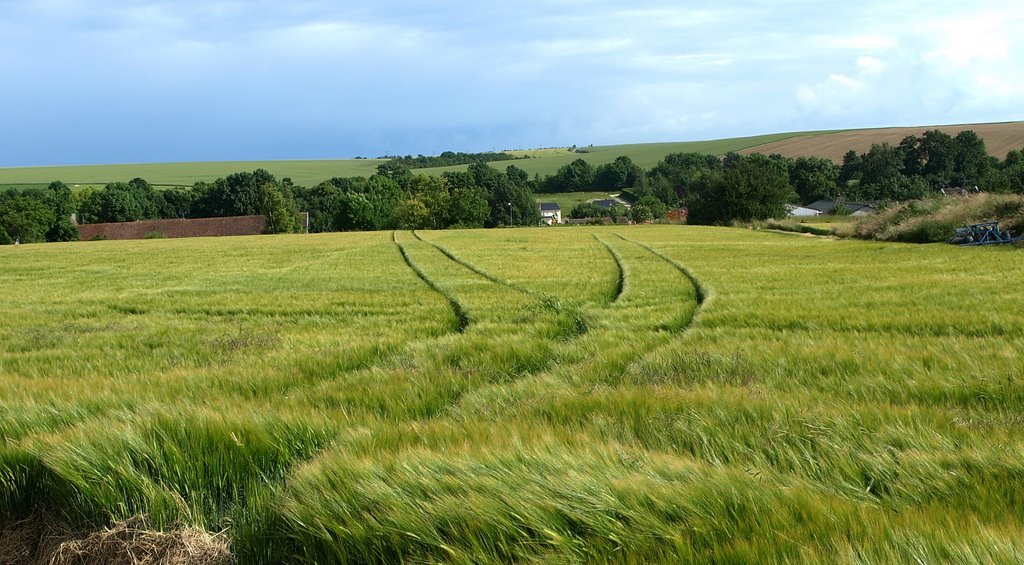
x,y
510,214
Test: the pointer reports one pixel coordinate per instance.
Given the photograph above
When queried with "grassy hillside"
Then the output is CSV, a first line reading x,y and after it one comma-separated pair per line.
x,y
306,173
633,394
547,161
999,138
309,173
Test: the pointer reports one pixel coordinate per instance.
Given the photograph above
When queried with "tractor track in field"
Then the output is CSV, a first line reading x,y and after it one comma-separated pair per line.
x,y
620,282
493,278
462,318
547,301
702,293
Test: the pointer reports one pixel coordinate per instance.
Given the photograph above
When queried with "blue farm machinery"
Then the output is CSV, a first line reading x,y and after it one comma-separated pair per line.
x,y
987,233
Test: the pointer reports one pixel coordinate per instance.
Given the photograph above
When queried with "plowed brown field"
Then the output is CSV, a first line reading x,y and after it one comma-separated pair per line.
x,y
999,138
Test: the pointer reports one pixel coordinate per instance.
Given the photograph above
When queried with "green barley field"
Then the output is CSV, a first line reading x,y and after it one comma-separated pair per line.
x,y
626,394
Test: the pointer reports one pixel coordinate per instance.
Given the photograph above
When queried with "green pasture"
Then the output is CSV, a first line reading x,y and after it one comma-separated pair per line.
x,y
305,173
630,394
548,161
567,200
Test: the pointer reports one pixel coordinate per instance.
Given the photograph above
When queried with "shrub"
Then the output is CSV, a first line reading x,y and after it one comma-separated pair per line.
x,y
155,234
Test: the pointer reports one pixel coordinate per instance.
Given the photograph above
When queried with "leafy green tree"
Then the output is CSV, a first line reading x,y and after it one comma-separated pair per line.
x,y
814,178
671,178
516,175
62,230
641,213
26,220
397,172
60,200
752,187
413,214
433,193
850,170
935,159
176,203
4,238
126,202
577,176
617,175
467,208
972,160
243,193
278,207
654,207
324,204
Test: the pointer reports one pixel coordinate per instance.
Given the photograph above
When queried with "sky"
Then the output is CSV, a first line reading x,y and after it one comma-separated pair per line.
x,y
131,81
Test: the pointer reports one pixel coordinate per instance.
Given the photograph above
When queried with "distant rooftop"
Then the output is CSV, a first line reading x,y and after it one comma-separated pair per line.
x,y
549,207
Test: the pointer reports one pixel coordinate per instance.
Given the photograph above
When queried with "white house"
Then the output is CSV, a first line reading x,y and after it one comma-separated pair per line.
x,y
550,213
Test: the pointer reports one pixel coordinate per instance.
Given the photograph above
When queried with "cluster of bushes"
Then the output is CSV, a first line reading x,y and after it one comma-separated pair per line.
x,y
451,158
35,215
394,198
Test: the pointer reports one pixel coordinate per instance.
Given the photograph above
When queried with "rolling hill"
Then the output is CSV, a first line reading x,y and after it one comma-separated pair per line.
x,y
999,138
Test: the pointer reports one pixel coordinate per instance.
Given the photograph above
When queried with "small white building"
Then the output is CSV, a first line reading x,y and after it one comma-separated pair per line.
x,y
802,211
550,213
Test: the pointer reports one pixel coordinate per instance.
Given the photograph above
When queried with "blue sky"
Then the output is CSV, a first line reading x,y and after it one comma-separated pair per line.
x,y
105,81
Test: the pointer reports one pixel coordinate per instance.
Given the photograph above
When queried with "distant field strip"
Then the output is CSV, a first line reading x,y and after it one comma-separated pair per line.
x,y
636,394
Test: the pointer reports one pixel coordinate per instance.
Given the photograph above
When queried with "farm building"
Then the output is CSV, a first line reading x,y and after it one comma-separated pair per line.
x,y
611,202
678,215
550,213
825,206
802,211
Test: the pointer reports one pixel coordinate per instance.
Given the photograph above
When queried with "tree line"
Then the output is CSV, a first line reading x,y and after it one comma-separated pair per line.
x,y
451,158
391,198
738,187
715,190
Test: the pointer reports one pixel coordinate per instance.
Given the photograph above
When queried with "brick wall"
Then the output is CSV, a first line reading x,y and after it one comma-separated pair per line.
x,y
199,227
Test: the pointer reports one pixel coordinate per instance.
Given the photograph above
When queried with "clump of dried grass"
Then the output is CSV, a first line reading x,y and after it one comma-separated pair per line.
x,y
936,219
133,543
125,543
21,541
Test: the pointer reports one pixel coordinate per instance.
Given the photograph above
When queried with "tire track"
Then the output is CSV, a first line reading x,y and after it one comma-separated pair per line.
x,y
462,318
702,293
576,323
620,283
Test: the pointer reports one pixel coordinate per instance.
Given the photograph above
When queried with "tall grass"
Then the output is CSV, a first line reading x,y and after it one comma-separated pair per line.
x,y
617,394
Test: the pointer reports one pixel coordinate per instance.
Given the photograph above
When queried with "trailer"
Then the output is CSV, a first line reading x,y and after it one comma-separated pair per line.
x,y
986,233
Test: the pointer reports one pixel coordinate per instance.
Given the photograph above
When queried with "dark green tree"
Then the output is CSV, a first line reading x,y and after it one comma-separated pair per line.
x,y
397,172
814,178
752,187
25,219
577,176
972,159
619,174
